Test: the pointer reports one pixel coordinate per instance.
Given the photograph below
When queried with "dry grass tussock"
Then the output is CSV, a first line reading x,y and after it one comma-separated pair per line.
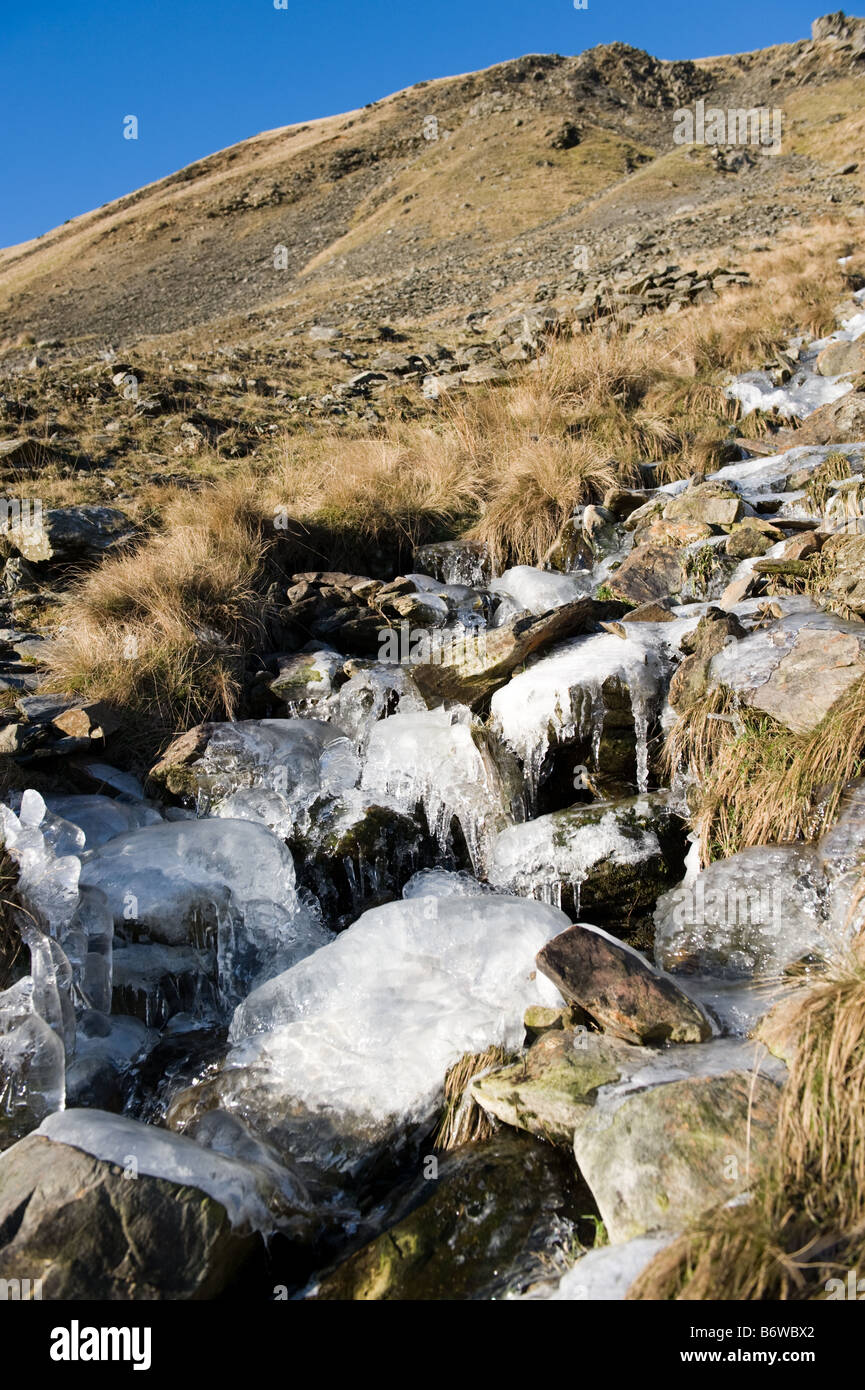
x,y
160,631
756,783
462,1120
805,1221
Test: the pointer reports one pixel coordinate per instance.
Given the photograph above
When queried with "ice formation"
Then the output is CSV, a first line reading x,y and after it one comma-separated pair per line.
x,y
360,1034
529,590
441,760
158,1153
192,882
32,1063
278,765
559,698
541,856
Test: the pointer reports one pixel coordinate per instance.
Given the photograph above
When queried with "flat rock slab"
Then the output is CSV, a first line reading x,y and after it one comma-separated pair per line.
x,y
618,987
656,1159
487,663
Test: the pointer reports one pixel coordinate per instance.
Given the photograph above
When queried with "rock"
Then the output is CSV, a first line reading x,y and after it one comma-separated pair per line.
x,y
23,455
171,769
618,987
846,571
614,858
649,573
78,1224
571,550
709,502
472,670
839,422
842,359
795,670
69,534
306,677
744,542
660,1157
551,1089
650,613
606,1274
621,502
659,531
711,635
479,1230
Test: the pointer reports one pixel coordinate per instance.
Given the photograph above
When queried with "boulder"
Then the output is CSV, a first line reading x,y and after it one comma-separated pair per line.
x,y
93,1229
618,987
656,1159
478,1229
69,534
842,359
796,669
614,857
550,1091
710,503
649,573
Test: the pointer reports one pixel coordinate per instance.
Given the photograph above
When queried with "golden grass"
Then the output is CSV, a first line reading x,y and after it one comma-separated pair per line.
x,y
462,1120
160,632
805,1221
756,783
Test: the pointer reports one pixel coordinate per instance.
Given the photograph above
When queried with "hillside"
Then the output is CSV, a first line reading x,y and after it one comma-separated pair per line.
x,y
432,704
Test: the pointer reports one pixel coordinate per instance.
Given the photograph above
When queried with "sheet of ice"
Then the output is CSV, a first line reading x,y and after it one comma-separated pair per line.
x,y
191,881
100,818
441,760
803,394
122,782
558,698
362,1033
159,1153
537,591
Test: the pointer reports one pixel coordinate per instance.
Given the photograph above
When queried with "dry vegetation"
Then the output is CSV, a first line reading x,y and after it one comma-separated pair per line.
x,y
507,465
756,783
805,1221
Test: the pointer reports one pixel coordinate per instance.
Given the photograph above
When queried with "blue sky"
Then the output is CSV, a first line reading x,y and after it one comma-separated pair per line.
x,y
203,74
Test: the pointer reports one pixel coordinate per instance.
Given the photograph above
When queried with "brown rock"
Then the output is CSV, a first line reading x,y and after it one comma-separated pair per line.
x,y
618,988
650,572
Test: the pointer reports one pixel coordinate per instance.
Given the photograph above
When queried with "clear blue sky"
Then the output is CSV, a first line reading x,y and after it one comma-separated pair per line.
x,y
203,74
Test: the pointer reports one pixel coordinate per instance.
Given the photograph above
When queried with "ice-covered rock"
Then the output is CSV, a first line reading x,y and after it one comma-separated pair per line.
x,y
445,762
754,913
348,1050
229,884
562,697
525,589
617,856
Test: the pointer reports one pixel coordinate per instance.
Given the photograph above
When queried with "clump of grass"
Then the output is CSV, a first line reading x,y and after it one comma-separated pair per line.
x,y
463,1120
834,468
805,1221
161,633
756,782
